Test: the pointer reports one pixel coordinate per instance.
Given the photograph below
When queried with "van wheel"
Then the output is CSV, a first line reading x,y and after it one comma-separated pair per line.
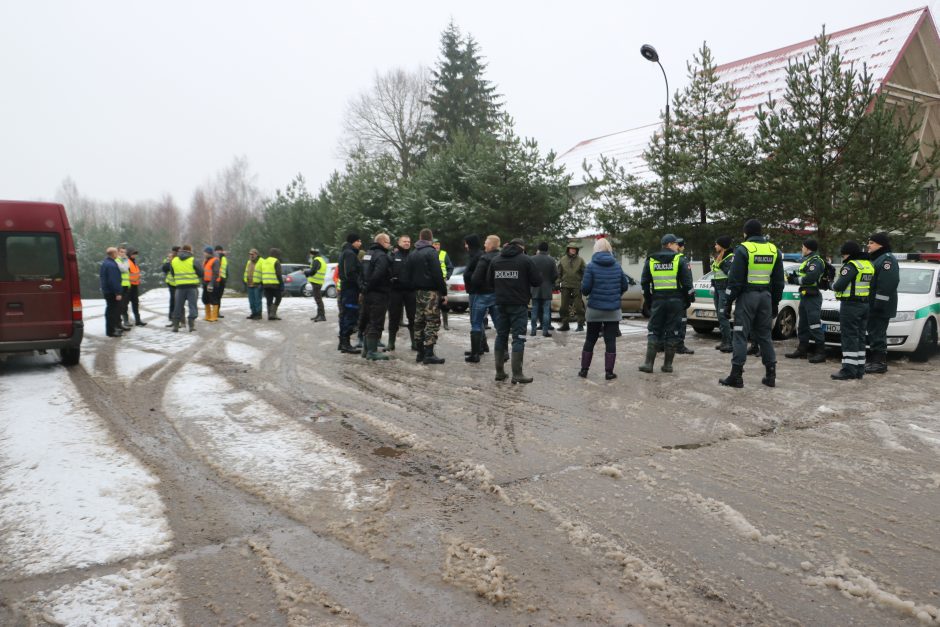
x,y
785,325
928,342
70,356
331,291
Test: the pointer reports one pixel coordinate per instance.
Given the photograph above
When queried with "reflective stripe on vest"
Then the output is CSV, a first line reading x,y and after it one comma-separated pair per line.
x,y
133,272
255,273
207,270
802,270
441,256
321,272
719,274
665,273
269,271
861,286
185,271
223,269
125,274
760,262
169,279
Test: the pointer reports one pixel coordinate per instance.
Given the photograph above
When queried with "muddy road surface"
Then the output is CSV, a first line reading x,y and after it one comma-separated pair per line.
x,y
249,473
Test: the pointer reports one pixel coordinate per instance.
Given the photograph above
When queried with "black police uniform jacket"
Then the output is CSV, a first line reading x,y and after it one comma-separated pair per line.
x,y
512,275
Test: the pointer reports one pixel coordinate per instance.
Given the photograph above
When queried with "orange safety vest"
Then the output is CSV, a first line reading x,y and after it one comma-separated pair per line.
x,y
134,271
207,270
336,280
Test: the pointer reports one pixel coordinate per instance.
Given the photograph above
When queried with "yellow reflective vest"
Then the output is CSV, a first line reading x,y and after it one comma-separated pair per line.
x,y
185,271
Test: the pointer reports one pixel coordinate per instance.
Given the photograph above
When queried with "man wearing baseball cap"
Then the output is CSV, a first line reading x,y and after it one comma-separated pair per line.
x,y
666,282
884,300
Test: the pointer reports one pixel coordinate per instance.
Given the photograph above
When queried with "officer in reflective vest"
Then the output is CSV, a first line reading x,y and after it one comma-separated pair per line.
x,y
883,304
755,285
134,293
223,275
721,266
810,332
447,269
666,282
853,288
124,266
690,298
272,281
315,276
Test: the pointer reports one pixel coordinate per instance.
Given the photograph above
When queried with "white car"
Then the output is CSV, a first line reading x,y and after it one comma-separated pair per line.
x,y
704,320
457,298
914,329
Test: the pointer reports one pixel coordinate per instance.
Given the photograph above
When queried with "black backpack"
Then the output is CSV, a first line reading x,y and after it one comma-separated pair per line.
x,y
828,276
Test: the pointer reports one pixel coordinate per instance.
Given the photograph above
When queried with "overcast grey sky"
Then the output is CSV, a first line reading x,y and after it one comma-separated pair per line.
x,y
137,99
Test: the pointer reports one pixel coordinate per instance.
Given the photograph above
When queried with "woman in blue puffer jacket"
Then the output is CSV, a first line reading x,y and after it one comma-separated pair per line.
x,y
603,283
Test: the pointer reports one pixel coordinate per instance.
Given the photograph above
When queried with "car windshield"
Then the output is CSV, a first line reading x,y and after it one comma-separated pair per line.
x,y
916,280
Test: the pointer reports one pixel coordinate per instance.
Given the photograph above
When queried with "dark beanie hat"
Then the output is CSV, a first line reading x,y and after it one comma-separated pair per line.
x,y
811,244
881,239
851,247
724,241
518,241
208,249
752,227
543,246
352,237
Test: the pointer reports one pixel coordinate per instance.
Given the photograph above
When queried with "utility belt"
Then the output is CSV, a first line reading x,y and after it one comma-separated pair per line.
x,y
756,288
720,283
809,290
664,295
853,299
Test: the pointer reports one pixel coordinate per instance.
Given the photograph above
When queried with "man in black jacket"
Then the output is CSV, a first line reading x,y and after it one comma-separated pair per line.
x,y
376,285
512,275
422,273
471,244
402,295
349,276
484,300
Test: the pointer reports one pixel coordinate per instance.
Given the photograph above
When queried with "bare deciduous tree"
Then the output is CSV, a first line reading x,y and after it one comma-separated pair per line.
x,y
390,117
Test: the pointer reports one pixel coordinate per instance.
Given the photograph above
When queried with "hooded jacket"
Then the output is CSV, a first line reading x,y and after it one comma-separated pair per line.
x,y
474,252
512,275
376,270
478,278
604,282
423,269
884,287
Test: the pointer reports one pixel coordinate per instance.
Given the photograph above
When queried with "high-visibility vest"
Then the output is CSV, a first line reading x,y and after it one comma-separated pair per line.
x,y
185,271
133,272
170,278
760,262
802,269
320,273
861,285
441,256
223,269
718,273
665,274
336,279
125,272
269,271
255,273
207,270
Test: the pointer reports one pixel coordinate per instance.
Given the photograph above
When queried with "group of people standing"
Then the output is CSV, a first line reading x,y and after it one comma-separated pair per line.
x,y
119,277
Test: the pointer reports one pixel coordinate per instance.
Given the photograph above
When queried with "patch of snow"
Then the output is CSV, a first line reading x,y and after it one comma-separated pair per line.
x,y
479,570
884,433
727,515
131,362
69,497
243,353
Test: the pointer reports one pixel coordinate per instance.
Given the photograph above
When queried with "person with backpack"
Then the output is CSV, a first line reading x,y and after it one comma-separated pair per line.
x,y
811,277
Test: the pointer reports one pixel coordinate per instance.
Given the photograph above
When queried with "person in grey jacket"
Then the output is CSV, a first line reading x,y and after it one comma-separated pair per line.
x,y
542,295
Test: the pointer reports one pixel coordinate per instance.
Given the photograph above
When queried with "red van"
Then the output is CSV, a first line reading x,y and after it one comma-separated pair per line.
x,y
40,303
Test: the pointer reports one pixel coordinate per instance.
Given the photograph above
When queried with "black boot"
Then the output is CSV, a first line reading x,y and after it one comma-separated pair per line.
x,y
484,345
517,376
802,350
754,349
725,347
474,356
878,364
650,358
564,327
346,347
682,349
420,356
670,353
580,327
817,353
500,363
735,379
846,373
430,358
391,343
609,360
770,376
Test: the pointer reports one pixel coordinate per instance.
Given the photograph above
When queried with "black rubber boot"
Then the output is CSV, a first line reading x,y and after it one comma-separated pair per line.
x,y
192,325
420,356
474,356
846,373
411,334
725,348
684,350
564,327
517,376
347,347
735,379
364,351
430,358
754,349
580,327
770,375
817,354
650,358
500,363
391,343
801,352
484,345
878,364
670,353
176,326
373,350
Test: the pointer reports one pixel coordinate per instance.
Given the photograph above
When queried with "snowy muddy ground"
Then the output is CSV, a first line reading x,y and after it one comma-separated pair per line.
x,y
249,473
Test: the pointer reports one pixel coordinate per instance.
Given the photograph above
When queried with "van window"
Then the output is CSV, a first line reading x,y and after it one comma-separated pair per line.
x,y
30,257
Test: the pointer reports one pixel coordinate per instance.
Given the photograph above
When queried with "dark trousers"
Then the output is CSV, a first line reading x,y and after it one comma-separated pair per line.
x,y
511,319
185,294
112,313
220,290
213,297
853,323
133,295
272,296
318,296
665,317
541,311
878,333
349,306
172,289
125,290
810,326
374,306
594,330
724,325
398,302
753,315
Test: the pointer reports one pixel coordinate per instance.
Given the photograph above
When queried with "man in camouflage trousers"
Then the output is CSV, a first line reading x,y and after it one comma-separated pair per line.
x,y
422,272
570,272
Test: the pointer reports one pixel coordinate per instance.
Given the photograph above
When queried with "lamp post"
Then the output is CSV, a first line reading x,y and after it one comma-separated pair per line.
x,y
649,53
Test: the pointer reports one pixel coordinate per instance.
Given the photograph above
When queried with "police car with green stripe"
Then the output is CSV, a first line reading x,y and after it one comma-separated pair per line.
x,y
914,329
703,319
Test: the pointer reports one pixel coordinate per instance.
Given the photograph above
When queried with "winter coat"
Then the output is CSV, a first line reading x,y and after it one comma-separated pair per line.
x,y
604,282
474,252
398,256
350,273
548,268
571,271
684,277
376,270
512,275
423,269
737,278
110,277
480,270
884,286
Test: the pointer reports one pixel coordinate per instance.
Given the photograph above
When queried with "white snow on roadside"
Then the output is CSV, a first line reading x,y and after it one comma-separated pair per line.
x,y
886,435
243,353
244,437
69,497
146,594
925,435
269,334
131,362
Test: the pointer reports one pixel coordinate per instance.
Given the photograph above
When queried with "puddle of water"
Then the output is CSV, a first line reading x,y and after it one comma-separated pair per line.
x,y
387,451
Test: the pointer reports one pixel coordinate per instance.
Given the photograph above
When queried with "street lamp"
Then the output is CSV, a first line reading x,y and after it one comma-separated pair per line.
x,y
649,53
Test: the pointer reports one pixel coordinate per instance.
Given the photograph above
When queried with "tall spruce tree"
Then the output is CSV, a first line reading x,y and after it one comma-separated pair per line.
x,y
462,101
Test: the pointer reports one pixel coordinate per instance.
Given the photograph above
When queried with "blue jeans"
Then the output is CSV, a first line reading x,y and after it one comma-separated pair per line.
x,y
254,299
512,320
541,308
349,303
480,305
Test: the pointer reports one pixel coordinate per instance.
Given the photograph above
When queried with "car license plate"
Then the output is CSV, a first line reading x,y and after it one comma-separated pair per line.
x,y
706,313
831,328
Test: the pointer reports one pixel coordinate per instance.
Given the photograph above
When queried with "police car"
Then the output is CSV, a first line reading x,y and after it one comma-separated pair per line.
x,y
704,320
914,329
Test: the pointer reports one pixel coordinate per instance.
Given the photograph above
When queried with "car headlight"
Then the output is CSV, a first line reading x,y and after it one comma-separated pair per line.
x,y
903,316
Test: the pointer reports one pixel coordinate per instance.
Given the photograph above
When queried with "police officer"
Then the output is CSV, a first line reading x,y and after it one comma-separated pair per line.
x,y
376,285
512,274
852,288
666,281
447,269
721,266
402,296
690,298
884,300
809,332
349,274
756,284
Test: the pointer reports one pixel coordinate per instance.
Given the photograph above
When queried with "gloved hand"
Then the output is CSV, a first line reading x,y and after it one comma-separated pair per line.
x,y
792,279
728,309
308,272
775,309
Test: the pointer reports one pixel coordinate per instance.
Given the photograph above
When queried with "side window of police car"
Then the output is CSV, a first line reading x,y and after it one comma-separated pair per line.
x,y
937,291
